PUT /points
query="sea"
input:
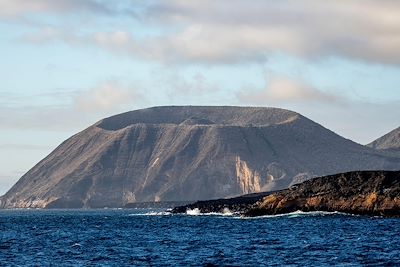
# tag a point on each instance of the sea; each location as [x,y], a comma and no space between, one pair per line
[155,237]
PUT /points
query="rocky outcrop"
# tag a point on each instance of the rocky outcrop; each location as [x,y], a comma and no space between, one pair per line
[364,193]
[248,180]
[186,154]
[238,205]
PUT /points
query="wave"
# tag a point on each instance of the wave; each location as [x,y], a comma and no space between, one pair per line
[194,212]
[189,212]
[151,213]
[228,213]
[300,213]
[197,212]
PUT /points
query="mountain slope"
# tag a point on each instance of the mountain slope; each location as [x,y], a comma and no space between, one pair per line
[390,141]
[188,153]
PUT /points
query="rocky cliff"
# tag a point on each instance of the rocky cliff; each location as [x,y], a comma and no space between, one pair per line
[364,193]
[188,153]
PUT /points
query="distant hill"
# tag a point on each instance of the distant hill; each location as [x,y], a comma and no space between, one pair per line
[390,141]
[185,153]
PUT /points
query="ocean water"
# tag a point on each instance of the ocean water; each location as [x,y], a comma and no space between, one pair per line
[155,238]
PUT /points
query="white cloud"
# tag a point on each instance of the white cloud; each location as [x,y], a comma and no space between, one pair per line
[229,31]
[280,90]
[110,96]
[238,30]
[46,118]
[44,35]
[15,8]
[359,120]
[71,111]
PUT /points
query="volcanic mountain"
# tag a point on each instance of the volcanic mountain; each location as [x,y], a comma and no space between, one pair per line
[185,153]
[388,142]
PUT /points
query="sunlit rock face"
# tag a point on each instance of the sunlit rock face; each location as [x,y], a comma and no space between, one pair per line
[364,192]
[188,153]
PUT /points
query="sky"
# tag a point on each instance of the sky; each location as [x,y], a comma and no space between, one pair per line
[66,64]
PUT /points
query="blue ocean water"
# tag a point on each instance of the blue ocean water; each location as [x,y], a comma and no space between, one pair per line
[153,238]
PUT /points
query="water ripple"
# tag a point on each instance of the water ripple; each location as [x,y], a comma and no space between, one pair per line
[156,238]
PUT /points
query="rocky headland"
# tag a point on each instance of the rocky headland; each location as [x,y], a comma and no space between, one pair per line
[375,193]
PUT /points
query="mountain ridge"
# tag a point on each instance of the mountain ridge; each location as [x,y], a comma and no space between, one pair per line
[389,141]
[221,115]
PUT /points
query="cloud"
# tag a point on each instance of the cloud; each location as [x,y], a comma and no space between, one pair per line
[281,90]
[196,85]
[232,31]
[26,112]
[42,118]
[16,8]
[106,97]
[358,119]
[70,111]
[236,30]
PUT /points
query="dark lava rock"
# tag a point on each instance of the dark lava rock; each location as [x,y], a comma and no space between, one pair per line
[361,192]
[235,205]
[364,193]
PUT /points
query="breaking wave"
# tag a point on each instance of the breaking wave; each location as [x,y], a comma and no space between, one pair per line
[151,213]
[194,211]
[300,213]
[228,213]
[197,212]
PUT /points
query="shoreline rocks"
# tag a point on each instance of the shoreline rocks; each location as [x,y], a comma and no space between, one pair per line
[374,193]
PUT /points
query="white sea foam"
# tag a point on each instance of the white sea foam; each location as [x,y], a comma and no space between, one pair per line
[227,212]
[197,212]
[299,213]
[194,211]
[151,213]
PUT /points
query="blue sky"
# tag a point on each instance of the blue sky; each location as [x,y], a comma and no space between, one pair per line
[66,64]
